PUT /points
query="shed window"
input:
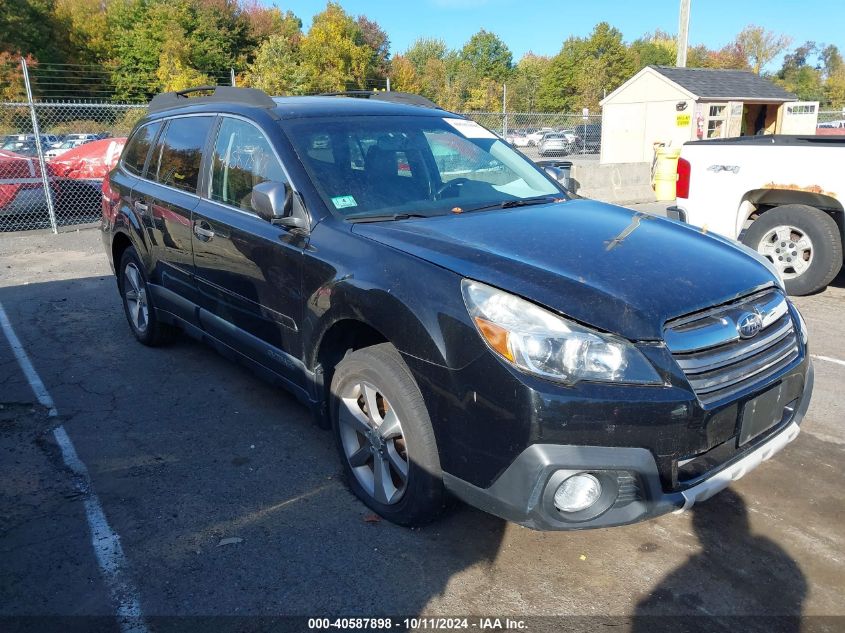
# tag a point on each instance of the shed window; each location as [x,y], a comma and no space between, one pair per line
[716,121]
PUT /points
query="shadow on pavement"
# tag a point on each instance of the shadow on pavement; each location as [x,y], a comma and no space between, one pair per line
[227,499]
[732,561]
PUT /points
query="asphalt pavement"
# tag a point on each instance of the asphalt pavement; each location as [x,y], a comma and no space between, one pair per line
[226,501]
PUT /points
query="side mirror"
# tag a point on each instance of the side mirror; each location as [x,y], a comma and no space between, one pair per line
[273,201]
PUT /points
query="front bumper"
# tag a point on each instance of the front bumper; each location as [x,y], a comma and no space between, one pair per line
[524,492]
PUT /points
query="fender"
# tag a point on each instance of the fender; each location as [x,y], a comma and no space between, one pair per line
[414,304]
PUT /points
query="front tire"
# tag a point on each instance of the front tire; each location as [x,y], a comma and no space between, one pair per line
[802,242]
[137,301]
[384,436]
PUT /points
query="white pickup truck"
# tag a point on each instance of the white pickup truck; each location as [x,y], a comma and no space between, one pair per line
[780,195]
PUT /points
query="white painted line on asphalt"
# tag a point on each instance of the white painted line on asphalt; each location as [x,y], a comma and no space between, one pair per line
[829,359]
[38,387]
[106,542]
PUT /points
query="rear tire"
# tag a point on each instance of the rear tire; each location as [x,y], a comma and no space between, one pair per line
[802,242]
[137,301]
[376,449]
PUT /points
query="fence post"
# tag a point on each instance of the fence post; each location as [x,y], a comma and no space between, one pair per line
[232,76]
[505,111]
[45,179]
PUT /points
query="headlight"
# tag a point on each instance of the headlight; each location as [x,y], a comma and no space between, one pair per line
[544,344]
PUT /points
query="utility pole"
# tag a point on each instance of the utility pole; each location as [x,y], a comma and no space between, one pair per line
[683,34]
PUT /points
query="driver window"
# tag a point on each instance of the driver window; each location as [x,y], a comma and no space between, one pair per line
[242,159]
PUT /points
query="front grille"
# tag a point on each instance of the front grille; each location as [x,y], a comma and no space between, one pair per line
[715,358]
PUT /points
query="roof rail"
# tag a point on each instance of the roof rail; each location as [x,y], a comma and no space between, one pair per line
[392,96]
[220,94]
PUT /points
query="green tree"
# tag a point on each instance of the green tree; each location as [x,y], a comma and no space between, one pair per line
[524,85]
[585,70]
[174,70]
[424,49]
[488,56]
[654,49]
[760,46]
[30,27]
[278,68]
[834,73]
[334,52]
[799,75]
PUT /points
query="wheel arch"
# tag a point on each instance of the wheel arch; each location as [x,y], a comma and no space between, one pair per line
[758,201]
[341,337]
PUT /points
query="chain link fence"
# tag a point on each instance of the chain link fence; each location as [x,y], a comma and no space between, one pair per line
[54,180]
[542,135]
[62,128]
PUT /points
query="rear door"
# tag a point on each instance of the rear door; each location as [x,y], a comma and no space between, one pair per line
[247,269]
[167,197]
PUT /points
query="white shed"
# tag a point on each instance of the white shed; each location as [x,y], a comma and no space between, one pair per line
[665,104]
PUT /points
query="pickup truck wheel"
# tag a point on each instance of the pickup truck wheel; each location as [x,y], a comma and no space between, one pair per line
[384,436]
[137,302]
[802,242]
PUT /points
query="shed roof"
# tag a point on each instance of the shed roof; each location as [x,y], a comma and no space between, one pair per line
[717,83]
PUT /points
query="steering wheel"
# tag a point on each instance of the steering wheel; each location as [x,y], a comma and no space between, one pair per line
[449,185]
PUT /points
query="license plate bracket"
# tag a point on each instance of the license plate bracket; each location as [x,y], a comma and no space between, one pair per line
[768,409]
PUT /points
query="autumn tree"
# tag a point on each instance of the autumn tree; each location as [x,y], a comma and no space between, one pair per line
[760,46]
[334,52]
[278,68]
[378,42]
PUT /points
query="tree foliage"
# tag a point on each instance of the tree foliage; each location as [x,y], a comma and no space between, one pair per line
[135,48]
[760,46]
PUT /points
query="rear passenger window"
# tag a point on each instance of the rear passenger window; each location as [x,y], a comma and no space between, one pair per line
[138,147]
[242,159]
[179,152]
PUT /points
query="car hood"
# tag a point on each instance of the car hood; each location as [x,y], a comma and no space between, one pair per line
[606,266]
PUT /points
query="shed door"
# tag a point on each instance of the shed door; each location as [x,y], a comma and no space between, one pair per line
[800,117]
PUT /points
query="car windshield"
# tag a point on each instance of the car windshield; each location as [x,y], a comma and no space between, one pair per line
[367,166]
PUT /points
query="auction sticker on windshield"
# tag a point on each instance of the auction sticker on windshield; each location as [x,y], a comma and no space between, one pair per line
[470,129]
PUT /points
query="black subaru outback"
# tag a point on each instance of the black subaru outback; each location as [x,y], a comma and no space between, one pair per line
[459,320]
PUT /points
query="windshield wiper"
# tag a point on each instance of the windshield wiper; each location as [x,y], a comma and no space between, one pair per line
[524,202]
[386,218]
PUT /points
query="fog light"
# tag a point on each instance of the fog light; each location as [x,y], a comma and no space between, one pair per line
[578,492]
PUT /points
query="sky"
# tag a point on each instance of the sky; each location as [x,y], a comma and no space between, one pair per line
[541,26]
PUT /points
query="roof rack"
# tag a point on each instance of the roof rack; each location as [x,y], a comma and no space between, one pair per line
[220,94]
[391,96]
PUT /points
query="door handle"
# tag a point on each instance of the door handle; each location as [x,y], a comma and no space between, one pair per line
[203,233]
[141,207]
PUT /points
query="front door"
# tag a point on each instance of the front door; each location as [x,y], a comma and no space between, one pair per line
[247,269]
[168,196]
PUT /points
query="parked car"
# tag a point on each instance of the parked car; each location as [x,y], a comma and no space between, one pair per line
[779,195]
[536,136]
[518,139]
[589,137]
[61,148]
[21,184]
[555,144]
[473,330]
[81,171]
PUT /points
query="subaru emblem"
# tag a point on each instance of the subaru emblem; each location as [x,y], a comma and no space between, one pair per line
[749,325]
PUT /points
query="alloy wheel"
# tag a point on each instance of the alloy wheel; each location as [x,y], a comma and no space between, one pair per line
[789,249]
[373,442]
[135,294]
